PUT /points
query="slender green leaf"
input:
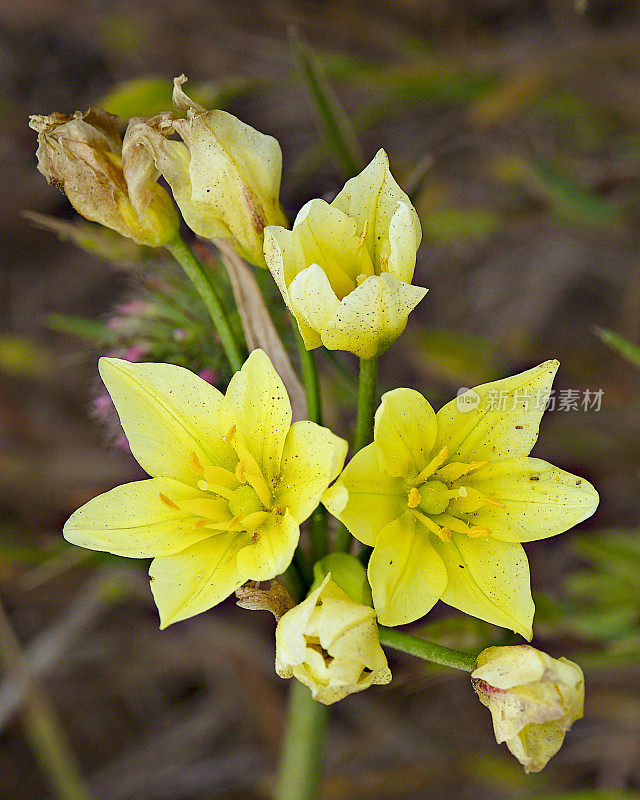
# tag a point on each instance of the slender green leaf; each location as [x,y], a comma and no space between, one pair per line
[338,130]
[626,348]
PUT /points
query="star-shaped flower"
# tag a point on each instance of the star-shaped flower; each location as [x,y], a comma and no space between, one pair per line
[446,499]
[232,481]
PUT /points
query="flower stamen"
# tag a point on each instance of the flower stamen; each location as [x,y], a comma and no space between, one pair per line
[167,502]
[363,236]
[444,534]
[194,464]
[433,465]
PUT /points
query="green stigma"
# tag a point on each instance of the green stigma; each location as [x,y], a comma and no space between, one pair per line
[244,501]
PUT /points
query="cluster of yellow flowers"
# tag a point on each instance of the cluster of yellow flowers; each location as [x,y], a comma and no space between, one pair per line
[444,499]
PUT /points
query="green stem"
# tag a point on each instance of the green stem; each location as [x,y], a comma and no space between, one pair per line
[367,388]
[302,753]
[310,378]
[302,565]
[427,650]
[205,288]
[41,723]
[311,381]
[367,395]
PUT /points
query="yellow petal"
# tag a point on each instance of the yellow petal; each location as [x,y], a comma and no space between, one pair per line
[539,499]
[372,198]
[235,176]
[404,431]
[488,579]
[172,159]
[496,420]
[270,549]
[372,316]
[312,298]
[132,520]
[168,413]
[285,259]
[312,458]
[197,578]
[406,574]
[328,237]
[405,234]
[365,497]
[262,411]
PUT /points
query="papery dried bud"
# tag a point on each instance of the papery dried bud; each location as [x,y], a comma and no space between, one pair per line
[84,155]
[533,698]
[331,644]
[276,599]
[225,175]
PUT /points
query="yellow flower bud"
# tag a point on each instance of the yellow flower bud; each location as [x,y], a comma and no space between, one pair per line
[331,644]
[224,175]
[105,179]
[533,698]
[345,270]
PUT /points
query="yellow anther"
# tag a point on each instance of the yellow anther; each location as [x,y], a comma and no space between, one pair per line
[478,532]
[457,469]
[384,262]
[493,502]
[194,464]
[230,433]
[442,533]
[201,523]
[363,236]
[361,278]
[240,471]
[445,534]
[168,503]
[414,498]
[433,465]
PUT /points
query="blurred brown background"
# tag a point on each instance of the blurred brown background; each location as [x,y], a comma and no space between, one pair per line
[517,126]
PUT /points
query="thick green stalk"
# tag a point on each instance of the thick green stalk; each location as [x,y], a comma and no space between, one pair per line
[367,389]
[41,724]
[205,288]
[310,378]
[302,754]
[429,651]
[367,395]
[311,381]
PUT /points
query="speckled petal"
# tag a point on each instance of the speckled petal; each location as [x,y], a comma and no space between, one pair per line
[539,499]
[496,420]
[198,578]
[406,574]
[372,317]
[133,521]
[312,458]
[365,497]
[270,550]
[488,579]
[404,431]
[168,413]
[262,411]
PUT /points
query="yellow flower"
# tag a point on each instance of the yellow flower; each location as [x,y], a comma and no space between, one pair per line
[232,480]
[533,698]
[345,269]
[224,174]
[331,644]
[105,179]
[445,500]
